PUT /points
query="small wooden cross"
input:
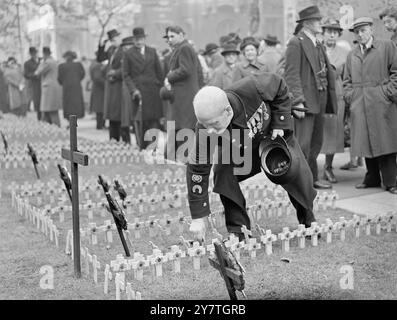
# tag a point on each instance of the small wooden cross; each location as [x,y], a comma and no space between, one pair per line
[176,254]
[341,226]
[94,230]
[389,222]
[328,228]
[247,233]
[378,224]
[235,245]
[157,260]
[120,285]
[356,223]
[268,240]
[315,231]
[252,247]
[334,199]
[76,158]
[367,224]
[108,276]
[120,265]
[109,231]
[95,267]
[301,234]
[138,264]
[196,252]
[286,236]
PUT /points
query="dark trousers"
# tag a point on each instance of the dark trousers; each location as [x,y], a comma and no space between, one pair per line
[100,122]
[380,169]
[140,128]
[300,191]
[116,132]
[310,134]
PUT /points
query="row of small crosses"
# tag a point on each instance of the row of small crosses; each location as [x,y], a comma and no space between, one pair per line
[139,263]
[38,218]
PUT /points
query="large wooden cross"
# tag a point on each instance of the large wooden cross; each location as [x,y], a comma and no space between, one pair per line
[76,158]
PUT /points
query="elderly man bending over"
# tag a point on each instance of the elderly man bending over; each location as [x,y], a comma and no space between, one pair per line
[234,123]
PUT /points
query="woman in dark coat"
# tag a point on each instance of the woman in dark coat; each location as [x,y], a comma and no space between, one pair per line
[97,73]
[70,75]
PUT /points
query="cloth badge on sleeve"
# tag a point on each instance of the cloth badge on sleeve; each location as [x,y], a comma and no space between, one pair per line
[197,178]
[197,190]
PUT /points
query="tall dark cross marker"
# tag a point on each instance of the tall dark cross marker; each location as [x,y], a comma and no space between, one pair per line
[76,158]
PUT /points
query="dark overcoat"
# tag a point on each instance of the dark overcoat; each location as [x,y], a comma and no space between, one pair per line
[114,84]
[144,73]
[70,75]
[184,77]
[97,74]
[370,84]
[300,74]
[261,103]
[4,102]
[33,82]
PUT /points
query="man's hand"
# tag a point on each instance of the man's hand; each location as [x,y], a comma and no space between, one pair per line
[277,133]
[299,114]
[198,228]
[167,84]
[136,95]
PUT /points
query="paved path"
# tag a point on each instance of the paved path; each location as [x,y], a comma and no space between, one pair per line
[369,202]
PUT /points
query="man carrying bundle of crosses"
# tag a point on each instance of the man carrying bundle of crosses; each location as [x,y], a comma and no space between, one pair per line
[249,128]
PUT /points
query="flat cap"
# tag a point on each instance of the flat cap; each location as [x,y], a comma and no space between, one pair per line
[359,22]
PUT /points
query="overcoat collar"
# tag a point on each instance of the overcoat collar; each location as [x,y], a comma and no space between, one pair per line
[308,48]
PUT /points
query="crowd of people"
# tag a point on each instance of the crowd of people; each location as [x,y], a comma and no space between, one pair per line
[341,96]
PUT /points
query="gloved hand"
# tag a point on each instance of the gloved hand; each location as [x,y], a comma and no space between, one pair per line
[136,96]
[198,228]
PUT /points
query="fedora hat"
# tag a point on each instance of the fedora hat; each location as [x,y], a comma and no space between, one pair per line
[271,40]
[309,13]
[363,21]
[249,41]
[209,48]
[332,24]
[47,50]
[167,95]
[70,54]
[139,33]
[229,48]
[278,160]
[32,50]
[113,33]
[127,41]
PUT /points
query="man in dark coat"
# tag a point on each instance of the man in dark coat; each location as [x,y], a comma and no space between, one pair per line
[4,102]
[33,82]
[143,75]
[70,75]
[184,80]
[311,80]
[252,109]
[97,73]
[370,83]
[113,85]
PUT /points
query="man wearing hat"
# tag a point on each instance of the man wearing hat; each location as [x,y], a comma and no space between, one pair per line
[270,55]
[370,84]
[389,18]
[114,83]
[243,124]
[143,76]
[223,75]
[33,82]
[311,80]
[51,92]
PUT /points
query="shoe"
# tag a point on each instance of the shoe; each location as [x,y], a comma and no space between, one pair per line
[392,190]
[366,186]
[329,175]
[322,185]
[348,166]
